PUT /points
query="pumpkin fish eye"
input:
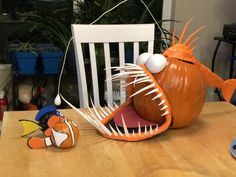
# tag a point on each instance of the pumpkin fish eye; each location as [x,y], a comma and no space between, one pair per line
[156,63]
[143,58]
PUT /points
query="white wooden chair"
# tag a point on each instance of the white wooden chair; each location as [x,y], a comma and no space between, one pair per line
[107,34]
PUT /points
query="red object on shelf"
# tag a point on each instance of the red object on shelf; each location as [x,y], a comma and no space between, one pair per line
[3,104]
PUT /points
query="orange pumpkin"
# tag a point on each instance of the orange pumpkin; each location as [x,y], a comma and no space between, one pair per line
[185,88]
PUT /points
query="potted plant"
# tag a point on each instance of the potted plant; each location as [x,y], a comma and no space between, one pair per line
[25,58]
[57,33]
[50,57]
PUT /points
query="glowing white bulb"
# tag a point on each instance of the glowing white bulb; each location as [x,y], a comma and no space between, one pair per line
[57,100]
[156,63]
[142,59]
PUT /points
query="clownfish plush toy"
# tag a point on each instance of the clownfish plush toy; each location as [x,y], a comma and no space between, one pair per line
[58,130]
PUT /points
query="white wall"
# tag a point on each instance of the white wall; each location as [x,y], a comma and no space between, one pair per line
[214,14]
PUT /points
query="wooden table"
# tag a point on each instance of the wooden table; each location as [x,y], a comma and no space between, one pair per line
[201,150]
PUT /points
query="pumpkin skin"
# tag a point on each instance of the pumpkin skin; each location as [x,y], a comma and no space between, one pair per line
[185,88]
[145,107]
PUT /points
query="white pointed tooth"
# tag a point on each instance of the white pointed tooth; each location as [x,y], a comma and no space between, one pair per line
[111,108]
[133,72]
[164,107]
[139,129]
[118,130]
[119,75]
[133,133]
[147,80]
[165,113]
[151,132]
[145,130]
[115,104]
[91,112]
[139,75]
[143,89]
[96,118]
[134,65]
[96,112]
[104,112]
[118,78]
[108,110]
[113,131]
[95,124]
[158,96]
[156,129]
[103,126]
[101,113]
[125,127]
[128,68]
[89,119]
[162,102]
[152,91]
[137,80]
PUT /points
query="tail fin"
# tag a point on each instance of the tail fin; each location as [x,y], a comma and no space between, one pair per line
[29,127]
[228,88]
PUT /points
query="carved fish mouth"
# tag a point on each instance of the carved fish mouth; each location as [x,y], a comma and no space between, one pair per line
[124,122]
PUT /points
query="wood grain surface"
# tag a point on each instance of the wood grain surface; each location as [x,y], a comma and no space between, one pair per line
[200,150]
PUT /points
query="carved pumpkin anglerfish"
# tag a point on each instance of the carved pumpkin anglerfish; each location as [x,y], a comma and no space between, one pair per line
[164,91]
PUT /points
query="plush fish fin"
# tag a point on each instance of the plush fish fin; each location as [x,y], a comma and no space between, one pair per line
[36,142]
[228,88]
[29,127]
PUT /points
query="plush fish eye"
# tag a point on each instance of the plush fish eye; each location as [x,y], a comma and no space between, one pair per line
[142,58]
[156,63]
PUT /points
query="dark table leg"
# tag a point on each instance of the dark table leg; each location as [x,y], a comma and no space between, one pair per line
[232,62]
[213,68]
[214,56]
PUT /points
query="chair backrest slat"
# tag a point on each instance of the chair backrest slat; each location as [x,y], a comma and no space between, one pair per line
[114,33]
[94,74]
[83,92]
[107,34]
[136,51]
[108,73]
[122,63]
[150,46]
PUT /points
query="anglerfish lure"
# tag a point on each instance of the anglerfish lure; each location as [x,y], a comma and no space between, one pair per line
[164,90]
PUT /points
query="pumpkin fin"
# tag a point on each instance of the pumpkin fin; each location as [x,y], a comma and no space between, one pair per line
[211,78]
[228,88]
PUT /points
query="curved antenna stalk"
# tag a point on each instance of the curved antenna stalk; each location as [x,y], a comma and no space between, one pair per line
[184,30]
